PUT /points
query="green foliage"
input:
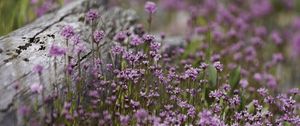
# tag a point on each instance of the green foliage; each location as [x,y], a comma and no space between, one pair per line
[13,14]
[234,78]
[16,13]
[191,48]
[212,76]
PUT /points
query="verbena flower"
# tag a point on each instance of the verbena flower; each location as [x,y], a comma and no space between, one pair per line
[80,48]
[218,66]
[24,110]
[36,88]
[98,36]
[124,120]
[150,7]
[76,39]
[38,69]
[207,118]
[135,41]
[141,115]
[117,49]
[120,36]
[91,15]
[56,51]
[67,32]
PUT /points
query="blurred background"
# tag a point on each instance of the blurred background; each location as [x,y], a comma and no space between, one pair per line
[283,15]
[16,13]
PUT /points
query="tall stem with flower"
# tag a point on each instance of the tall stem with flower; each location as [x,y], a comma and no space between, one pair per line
[150,8]
[92,16]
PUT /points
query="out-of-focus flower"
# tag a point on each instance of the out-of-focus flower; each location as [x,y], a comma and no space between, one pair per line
[44,8]
[36,88]
[208,119]
[38,69]
[124,120]
[150,7]
[91,15]
[120,36]
[141,115]
[117,49]
[135,41]
[276,38]
[24,110]
[76,39]
[57,51]
[98,36]
[67,32]
[244,83]
[296,45]
[34,1]
[218,66]
[148,38]
[79,48]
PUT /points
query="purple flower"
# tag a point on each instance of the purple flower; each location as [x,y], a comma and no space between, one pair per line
[44,8]
[262,91]
[91,15]
[94,93]
[201,30]
[260,7]
[36,88]
[24,110]
[271,81]
[135,41]
[208,119]
[277,57]
[276,37]
[260,31]
[79,48]
[56,51]
[258,77]
[234,101]
[67,32]
[150,7]
[215,58]
[38,69]
[76,39]
[148,38]
[296,45]
[34,1]
[244,83]
[203,66]
[70,68]
[141,115]
[191,73]
[218,66]
[98,36]
[296,22]
[294,91]
[155,46]
[117,49]
[120,36]
[217,94]
[124,120]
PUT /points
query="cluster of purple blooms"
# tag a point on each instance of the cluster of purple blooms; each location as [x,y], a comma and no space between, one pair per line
[228,79]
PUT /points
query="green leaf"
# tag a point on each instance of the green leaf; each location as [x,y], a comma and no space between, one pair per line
[242,103]
[234,78]
[251,107]
[201,21]
[212,76]
[191,48]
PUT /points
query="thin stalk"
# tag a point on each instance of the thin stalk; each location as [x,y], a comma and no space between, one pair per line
[149,22]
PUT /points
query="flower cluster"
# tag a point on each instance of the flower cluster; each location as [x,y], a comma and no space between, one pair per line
[227,72]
